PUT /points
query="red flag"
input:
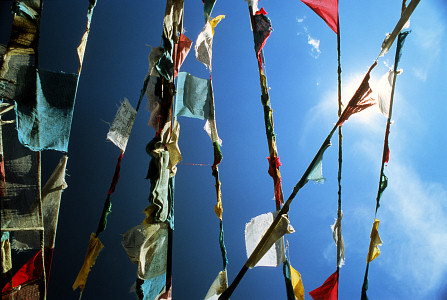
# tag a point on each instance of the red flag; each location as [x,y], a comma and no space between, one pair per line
[360,100]
[329,289]
[31,270]
[181,50]
[327,10]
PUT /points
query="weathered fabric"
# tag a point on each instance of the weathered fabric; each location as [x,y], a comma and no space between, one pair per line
[294,284]
[30,273]
[18,78]
[219,285]
[94,247]
[24,38]
[273,171]
[121,127]
[375,242]
[151,289]
[51,198]
[327,10]
[386,45]
[20,206]
[263,27]
[384,92]
[169,137]
[6,254]
[44,122]
[193,96]
[208,6]
[204,42]
[317,168]
[147,246]
[172,18]
[336,232]
[360,100]
[268,256]
[181,50]
[153,95]
[165,65]
[327,291]
[210,124]
[83,44]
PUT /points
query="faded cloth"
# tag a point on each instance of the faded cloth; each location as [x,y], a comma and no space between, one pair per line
[20,206]
[147,246]
[51,198]
[268,256]
[44,122]
[121,127]
[193,96]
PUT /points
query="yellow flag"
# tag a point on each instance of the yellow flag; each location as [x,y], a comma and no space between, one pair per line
[297,284]
[374,250]
[93,249]
[215,21]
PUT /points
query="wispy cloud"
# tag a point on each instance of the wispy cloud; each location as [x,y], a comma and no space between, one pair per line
[314,43]
[429,39]
[413,208]
[315,51]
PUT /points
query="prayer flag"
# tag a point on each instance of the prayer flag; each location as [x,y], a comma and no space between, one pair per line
[83,44]
[384,92]
[329,289]
[263,29]
[336,232]
[204,42]
[6,253]
[375,242]
[294,284]
[208,6]
[94,247]
[147,246]
[267,256]
[220,284]
[181,50]
[51,198]
[360,100]
[45,121]
[121,127]
[20,206]
[151,289]
[193,96]
[327,10]
[386,45]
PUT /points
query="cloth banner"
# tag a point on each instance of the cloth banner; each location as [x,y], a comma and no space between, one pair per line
[360,100]
[294,284]
[327,10]
[181,50]
[20,206]
[375,242]
[336,230]
[268,256]
[51,198]
[121,127]
[94,247]
[44,122]
[220,284]
[263,30]
[147,246]
[193,96]
[204,42]
[329,289]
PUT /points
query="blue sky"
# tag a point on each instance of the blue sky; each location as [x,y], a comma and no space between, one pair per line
[301,65]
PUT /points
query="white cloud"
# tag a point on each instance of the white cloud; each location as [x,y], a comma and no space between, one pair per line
[301,20]
[315,50]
